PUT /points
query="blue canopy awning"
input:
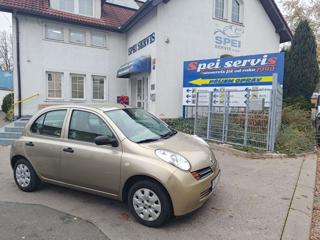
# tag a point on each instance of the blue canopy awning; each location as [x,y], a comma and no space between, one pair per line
[139,65]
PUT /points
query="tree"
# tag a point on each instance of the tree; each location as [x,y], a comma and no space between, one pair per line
[6,61]
[302,69]
[299,10]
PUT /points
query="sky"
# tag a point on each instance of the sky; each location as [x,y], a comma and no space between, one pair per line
[5,21]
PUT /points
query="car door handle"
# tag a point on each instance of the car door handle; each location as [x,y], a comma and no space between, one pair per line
[29,144]
[68,150]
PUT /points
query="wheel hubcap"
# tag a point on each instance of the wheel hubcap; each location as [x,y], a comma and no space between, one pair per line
[23,175]
[146,204]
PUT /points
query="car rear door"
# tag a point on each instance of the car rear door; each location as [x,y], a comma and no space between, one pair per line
[43,143]
[85,164]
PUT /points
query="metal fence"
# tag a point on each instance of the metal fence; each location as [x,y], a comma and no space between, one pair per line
[249,117]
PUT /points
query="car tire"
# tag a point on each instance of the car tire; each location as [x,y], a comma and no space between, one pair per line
[25,176]
[149,203]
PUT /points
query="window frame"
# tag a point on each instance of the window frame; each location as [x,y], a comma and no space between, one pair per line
[79,31]
[92,33]
[239,5]
[224,13]
[52,26]
[76,8]
[68,124]
[47,85]
[104,87]
[62,134]
[84,86]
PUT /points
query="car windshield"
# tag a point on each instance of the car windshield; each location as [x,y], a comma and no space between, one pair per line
[140,126]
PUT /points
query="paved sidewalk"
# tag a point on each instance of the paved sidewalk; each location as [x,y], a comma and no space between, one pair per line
[251,202]
[3,120]
[34,222]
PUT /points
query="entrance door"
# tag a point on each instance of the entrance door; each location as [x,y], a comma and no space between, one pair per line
[142,93]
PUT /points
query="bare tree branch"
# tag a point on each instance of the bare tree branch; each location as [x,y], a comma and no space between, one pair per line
[6,60]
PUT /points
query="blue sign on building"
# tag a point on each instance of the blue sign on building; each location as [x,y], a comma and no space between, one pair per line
[6,80]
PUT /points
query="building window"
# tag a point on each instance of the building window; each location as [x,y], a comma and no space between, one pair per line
[54,80]
[54,33]
[98,87]
[98,39]
[77,36]
[86,7]
[235,11]
[219,8]
[81,7]
[77,82]
[66,5]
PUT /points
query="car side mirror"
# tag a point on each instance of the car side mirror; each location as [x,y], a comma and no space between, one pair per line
[104,140]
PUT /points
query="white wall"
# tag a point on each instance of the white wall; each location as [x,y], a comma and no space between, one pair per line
[190,28]
[184,31]
[39,55]
[139,32]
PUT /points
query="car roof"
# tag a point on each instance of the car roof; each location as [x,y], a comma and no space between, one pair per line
[101,106]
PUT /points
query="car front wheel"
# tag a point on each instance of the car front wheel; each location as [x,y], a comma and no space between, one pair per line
[25,176]
[149,203]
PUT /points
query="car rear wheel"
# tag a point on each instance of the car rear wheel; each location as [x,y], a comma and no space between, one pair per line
[149,203]
[25,176]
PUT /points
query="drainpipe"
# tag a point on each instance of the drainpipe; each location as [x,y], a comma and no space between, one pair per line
[18,63]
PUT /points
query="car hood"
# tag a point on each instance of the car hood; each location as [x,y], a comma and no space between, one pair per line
[197,152]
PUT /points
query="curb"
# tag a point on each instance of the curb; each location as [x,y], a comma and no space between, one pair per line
[299,218]
[252,155]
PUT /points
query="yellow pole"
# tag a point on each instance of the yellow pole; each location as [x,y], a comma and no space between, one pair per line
[26,99]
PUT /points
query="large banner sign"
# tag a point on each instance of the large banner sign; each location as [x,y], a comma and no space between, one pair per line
[218,75]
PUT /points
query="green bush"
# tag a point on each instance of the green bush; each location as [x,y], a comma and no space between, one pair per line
[181,125]
[9,115]
[298,103]
[7,102]
[296,134]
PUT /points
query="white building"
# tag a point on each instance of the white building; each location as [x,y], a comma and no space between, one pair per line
[85,51]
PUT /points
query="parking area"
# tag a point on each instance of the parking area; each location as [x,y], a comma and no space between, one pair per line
[251,202]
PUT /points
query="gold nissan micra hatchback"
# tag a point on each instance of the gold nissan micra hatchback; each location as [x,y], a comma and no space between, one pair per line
[120,152]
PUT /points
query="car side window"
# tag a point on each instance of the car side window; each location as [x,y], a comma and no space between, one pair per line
[49,124]
[86,126]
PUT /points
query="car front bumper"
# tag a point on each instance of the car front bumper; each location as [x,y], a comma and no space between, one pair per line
[188,194]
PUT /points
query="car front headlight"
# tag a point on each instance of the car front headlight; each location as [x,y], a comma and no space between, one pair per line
[173,158]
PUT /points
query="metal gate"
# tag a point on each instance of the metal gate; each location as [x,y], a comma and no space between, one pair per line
[249,117]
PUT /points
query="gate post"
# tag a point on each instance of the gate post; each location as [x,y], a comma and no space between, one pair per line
[196,114]
[209,115]
[245,137]
[226,118]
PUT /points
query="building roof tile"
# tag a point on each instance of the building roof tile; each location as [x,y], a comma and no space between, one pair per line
[112,16]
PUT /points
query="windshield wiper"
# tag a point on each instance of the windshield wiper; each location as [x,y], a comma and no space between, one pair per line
[169,134]
[149,140]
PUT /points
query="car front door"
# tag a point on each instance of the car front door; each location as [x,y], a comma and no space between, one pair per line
[85,164]
[43,143]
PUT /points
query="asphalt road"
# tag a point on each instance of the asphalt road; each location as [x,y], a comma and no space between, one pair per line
[251,202]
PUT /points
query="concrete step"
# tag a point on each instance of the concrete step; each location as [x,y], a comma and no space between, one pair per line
[6,141]
[13,129]
[14,135]
[20,123]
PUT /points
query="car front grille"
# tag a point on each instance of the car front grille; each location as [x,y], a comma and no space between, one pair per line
[205,172]
[202,173]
